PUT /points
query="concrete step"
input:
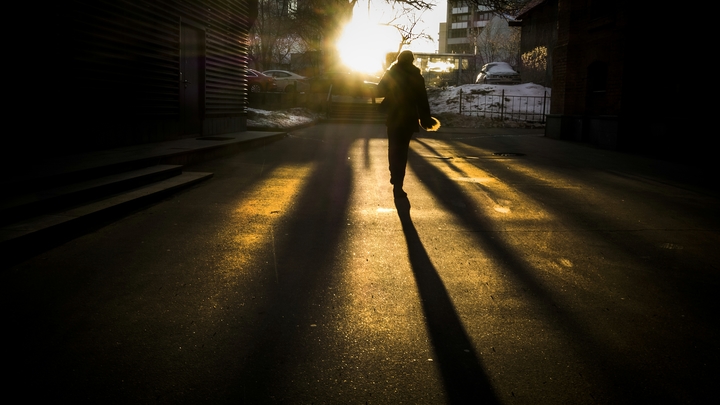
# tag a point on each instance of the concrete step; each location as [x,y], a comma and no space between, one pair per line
[43,200]
[355,111]
[20,177]
[29,236]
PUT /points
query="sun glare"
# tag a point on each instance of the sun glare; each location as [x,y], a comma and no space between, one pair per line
[364,43]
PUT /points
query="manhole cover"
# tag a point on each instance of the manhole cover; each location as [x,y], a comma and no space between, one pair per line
[214,138]
[508,154]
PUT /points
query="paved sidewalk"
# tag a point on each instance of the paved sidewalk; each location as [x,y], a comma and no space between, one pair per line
[562,273]
[181,151]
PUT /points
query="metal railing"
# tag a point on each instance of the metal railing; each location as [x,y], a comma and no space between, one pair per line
[505,108]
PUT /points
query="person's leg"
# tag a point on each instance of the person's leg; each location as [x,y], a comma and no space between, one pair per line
[392,153]
[398,143]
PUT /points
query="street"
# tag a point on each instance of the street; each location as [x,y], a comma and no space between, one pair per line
[520,270]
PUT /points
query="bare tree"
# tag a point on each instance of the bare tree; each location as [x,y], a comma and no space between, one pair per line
[283,27]
[268,32]
[286,26]
[498,42]
[405,21]
[512,47]
[323,21]
[320,22]
[416,4]
[286,46]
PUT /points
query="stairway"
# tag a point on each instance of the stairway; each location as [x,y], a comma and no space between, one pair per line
[362,110]
[47,201]
[49,210]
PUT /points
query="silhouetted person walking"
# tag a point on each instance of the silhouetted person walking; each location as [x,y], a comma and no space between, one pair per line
[407,107]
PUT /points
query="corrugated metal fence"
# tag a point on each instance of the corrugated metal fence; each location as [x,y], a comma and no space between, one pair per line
[132,49]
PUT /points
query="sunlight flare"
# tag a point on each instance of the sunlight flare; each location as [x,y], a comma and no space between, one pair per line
[364,43]
[259,209]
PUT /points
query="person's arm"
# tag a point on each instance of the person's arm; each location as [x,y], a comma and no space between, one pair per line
[423,105]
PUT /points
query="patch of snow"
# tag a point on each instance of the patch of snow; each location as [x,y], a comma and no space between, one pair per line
[443,101]
[283,119]
[484,96]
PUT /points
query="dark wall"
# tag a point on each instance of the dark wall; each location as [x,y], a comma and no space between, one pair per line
[665,100]
[590,42]
[106,73]
[539,29]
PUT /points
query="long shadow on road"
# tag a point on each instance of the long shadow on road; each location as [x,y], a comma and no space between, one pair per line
[286,353]
[463,376]
[577,331]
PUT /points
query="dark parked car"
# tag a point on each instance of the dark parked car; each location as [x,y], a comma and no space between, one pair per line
[498,73]
[259,82]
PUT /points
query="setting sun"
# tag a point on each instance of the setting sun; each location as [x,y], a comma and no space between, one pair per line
[364,43]
[367,38]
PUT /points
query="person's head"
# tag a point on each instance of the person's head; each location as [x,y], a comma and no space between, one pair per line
[405,57]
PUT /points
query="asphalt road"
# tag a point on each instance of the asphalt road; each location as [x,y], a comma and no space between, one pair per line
[521,270]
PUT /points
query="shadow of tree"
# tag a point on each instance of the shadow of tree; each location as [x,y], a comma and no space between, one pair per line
[306,262]
[614,373]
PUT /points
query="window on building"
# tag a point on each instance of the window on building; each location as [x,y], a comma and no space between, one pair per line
[461,33]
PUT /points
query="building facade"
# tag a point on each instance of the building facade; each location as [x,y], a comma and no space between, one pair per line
[464,22]
[538,22]
[107,73]
[608,85]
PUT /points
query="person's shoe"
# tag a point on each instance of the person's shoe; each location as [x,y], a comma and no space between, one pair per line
[399,193]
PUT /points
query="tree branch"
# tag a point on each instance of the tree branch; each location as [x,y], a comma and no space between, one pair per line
[416,4]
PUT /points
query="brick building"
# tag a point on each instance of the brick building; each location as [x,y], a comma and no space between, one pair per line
[609,86]
[588,72]
[538,22]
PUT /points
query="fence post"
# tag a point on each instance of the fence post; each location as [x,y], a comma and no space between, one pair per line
[459,77]
[543,111]
[502,107]
[460,103]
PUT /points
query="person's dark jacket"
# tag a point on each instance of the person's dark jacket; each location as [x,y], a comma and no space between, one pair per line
[406,99]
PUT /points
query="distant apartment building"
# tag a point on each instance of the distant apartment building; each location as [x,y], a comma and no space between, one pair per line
[442,40]
[464,23]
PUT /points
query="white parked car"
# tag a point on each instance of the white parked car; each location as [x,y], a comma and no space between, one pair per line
[498,73]
[288,81]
